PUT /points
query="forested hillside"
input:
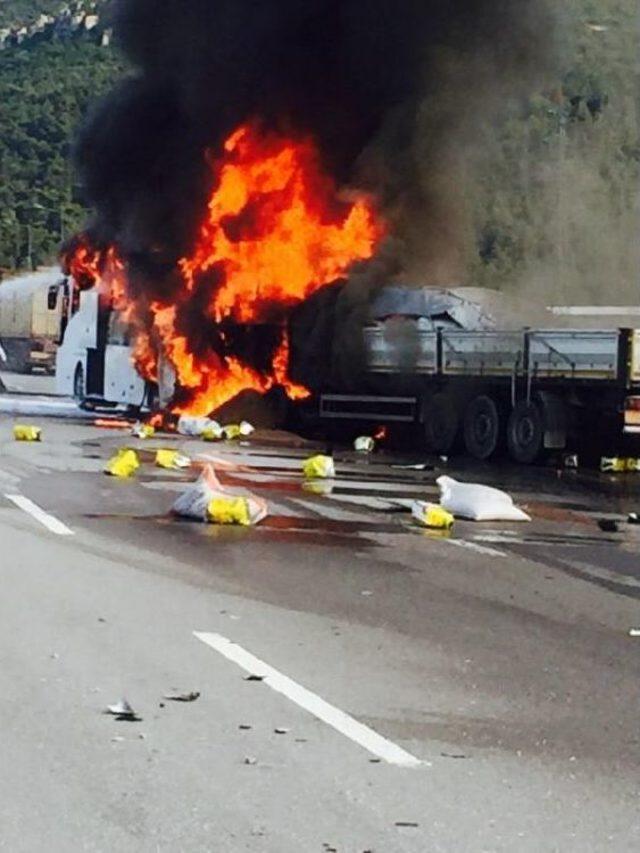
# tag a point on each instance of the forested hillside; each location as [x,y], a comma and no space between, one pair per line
[553,196]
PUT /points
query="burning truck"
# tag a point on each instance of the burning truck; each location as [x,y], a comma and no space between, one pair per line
[260,180]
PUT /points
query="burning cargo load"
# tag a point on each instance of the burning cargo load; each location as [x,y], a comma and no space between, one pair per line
[262,154]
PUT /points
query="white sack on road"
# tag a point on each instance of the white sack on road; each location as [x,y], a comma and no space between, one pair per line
[478,503]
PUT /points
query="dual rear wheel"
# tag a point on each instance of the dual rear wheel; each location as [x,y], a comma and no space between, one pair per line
[485,428]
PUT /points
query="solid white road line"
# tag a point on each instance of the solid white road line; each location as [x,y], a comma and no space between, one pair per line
[329,714]
[40,515]
[479,549]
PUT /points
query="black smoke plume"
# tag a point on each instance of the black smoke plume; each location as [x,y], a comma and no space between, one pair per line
[386,87]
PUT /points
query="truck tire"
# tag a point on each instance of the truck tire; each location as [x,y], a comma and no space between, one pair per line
[440,423]
[525,433]
[482,428]
[79,389]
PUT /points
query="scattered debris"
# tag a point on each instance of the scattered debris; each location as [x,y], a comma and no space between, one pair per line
[117,739]
[124,464]
[432,516]
[100,619]
[452,755]
[375,761]
[244,727]
[54,656]
[140,430]
[634,632]
[250,760]
[619,464]
[478,503]
[364,444]
[182,697]
[172,460]
[281,731]
[301,740]
[22,432]
[409,823]
[123,711]
[366,592]
[633,518]
[254,677]
[319,467]
[422,466]
[608,525]
[571,460]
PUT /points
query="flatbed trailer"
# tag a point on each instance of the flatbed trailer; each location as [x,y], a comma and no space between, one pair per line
[530,389]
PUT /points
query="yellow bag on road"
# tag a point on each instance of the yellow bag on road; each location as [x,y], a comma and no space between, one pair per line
[432,516]
[172,459]
[143,431]
[124,464]
[224,509]
[319,467]
[21,432]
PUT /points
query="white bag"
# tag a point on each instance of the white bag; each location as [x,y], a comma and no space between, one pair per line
[478,503]
[188,425]
[194,502]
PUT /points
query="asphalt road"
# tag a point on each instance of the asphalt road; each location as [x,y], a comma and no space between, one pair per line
[471,693]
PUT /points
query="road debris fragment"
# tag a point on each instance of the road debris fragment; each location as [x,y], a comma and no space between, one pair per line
[242,430]
[124,464]
[254,678]
[172,460]
[281,731]
[422,466]
[608,525]
[571,460]
[409,823]
[364,444]
[244,727]
[431,515]
[319,467]
[634,632]
[182,697]
[23,432]
[123,711]
[633,518]
[478,503]
[250,760]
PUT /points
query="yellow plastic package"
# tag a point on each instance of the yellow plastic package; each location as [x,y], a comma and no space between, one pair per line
[124,464]
[232,432]
[143,430]
[172,459]
[213,432]
[22,432]
[229,509]
[432,516]
[319,467]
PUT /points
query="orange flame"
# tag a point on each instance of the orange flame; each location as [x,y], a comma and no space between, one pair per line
[275,231]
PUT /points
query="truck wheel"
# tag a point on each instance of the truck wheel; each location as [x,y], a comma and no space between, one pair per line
[440,423]
[481,428]
[79,392]
[525,433]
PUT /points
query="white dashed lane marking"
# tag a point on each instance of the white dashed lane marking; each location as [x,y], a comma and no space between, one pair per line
[370,740]
[32,509]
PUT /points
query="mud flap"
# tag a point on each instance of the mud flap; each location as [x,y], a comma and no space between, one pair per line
[554,420]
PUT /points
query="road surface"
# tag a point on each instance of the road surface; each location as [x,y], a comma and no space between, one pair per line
[419,692]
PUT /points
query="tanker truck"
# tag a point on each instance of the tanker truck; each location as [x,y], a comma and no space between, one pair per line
[32,315]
